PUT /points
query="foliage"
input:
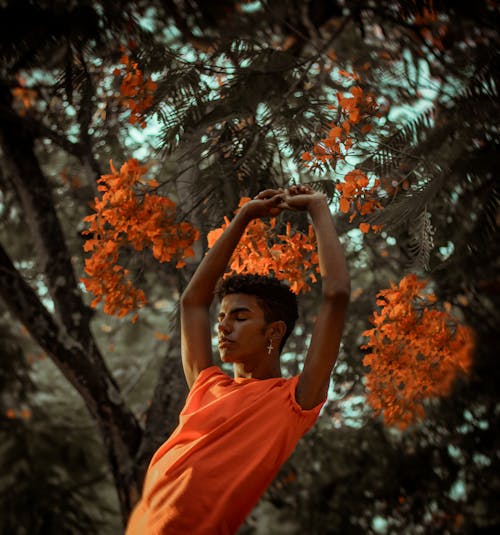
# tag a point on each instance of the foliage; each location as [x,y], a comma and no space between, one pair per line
[415,352]
[355,194]
[129,214]
[137,92]
[354,112]
[291,256]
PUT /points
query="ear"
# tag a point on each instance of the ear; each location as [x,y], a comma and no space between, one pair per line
[276,331]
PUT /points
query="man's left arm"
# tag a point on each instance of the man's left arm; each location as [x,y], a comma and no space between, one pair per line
[314,380]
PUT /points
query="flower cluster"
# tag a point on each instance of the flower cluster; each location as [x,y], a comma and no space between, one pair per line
[137,92]
[355,196]
[355,109]
[291,256]
[129,215]
[416,352]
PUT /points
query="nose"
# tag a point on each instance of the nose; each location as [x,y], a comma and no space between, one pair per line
[223,326]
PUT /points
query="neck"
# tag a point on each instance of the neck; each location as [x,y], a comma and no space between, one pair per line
[266,369]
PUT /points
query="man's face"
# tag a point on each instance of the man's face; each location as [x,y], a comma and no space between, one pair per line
[241,329]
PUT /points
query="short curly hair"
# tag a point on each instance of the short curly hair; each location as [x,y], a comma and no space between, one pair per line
[276,299]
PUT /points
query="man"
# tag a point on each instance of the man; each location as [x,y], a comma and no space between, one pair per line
[235,433]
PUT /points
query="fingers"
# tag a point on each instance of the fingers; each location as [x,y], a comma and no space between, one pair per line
[300,189]
[268,193]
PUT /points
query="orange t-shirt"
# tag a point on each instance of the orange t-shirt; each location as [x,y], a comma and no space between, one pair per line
[232,438]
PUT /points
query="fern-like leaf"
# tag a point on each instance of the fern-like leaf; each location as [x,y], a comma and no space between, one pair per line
[422,239]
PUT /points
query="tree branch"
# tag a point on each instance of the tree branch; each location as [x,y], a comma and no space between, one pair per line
[118,426]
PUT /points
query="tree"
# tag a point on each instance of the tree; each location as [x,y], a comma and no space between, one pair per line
[391,109]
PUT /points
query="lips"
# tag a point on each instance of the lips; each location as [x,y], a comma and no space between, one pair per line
[224,342]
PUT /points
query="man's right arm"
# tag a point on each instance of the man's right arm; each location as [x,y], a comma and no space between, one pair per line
[196,347]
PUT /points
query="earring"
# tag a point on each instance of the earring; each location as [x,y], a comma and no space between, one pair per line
[270,347]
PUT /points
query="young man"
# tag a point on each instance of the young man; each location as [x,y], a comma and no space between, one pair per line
[235,433]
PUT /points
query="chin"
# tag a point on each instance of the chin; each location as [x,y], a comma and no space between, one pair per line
[225,357]
[228,358]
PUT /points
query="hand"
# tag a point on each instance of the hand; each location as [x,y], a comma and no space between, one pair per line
[302,198]
[267,203]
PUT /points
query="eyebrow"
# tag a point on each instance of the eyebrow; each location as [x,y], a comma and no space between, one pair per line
[234,311]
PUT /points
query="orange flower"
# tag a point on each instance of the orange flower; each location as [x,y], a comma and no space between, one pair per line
[356,109]
[356,196]
[26,414]
[128,215]
[24,98]
[291,256]
[137,92]
[416,352]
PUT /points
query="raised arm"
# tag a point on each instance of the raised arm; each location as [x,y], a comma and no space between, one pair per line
[314,380]
[196,299]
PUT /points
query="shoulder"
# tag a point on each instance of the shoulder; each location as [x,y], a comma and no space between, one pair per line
[209,374]
[280,395]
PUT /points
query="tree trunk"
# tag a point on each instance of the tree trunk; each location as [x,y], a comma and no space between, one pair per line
[66,337]
[168,399]
[118,426]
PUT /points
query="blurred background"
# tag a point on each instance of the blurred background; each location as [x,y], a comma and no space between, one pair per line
[219,100]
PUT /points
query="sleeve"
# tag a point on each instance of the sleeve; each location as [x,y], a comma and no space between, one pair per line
[306,417]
